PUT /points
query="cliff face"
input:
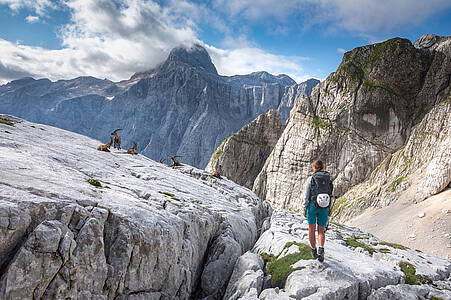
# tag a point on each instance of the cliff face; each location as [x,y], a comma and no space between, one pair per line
[356,117]
[241,156]
[302,90]
[77,223]
[417,171]
[181,107]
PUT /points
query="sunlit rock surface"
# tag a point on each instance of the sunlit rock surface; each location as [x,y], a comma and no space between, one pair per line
[357,265]
[149,232]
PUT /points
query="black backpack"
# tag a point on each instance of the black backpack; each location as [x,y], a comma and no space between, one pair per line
[321,184]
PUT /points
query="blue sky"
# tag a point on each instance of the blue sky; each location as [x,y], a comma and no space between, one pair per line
[63,39]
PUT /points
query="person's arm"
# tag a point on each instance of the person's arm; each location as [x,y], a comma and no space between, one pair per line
[307,193]
[332,198]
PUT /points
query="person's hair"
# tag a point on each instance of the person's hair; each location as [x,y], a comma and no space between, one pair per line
[318,165]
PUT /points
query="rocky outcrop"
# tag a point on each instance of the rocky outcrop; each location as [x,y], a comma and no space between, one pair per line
[241,156]
[417,171]
[356,117]
[357,265]
[77,223]
[302,90]
[181,107]
[405,291]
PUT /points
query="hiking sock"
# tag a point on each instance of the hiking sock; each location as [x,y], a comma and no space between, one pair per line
[314,253]
[321,254]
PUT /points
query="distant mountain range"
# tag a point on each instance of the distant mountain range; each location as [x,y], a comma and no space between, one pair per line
[180,107]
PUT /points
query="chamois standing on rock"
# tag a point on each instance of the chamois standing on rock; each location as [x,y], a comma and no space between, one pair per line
[105,147]
[117,139]
[132,150]
[175,161]
[216,174]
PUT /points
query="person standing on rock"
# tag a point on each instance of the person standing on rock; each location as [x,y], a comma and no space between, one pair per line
[317,206]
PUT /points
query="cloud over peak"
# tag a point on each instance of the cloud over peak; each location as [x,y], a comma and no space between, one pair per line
[114,39]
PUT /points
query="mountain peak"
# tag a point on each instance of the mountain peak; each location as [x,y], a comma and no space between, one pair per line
[194,55]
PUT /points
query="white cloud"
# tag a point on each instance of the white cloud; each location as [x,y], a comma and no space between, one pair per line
[113,40]
[105,39]
[359,16]
[39,6]
[341,50]
[32,19]
[246,60]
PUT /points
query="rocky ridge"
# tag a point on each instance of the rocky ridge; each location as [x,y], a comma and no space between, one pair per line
[180,107]
[241,156]
[357,266]
[357,116]
[77,223]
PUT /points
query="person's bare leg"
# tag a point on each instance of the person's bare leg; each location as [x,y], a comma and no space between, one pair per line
[321,236]
[312,235]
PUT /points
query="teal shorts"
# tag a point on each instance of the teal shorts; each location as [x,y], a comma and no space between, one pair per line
[317,215]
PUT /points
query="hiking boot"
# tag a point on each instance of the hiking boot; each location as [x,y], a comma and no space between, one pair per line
[314,253]
[321,254]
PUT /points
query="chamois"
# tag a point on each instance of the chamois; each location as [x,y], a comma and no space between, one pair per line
[216,174]
[132,150]
[175,161]
[117,139]
[106,147]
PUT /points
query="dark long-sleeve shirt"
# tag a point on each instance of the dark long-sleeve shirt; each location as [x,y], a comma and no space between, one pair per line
[307,194]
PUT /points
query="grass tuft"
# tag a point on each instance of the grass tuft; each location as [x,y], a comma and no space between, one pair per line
[94,182]
[354,243]
[393,245]
[281,268]
[411,277]
[267,257]
[384,250]
[395,183]
[6,122]
[167,194]
[320,123]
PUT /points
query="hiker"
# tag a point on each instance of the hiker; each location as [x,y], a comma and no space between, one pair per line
[318,206]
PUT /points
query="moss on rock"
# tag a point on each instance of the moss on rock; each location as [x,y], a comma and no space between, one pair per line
[281,268]
[411,277]
[355,244]
[393,245]
[94,182]
[166,193]
[6,122]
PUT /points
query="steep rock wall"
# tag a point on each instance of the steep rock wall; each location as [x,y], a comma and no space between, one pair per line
[241,156]
[356,117]
[417,171]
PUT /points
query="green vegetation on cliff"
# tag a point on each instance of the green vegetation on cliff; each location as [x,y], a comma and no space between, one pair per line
[218,152]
